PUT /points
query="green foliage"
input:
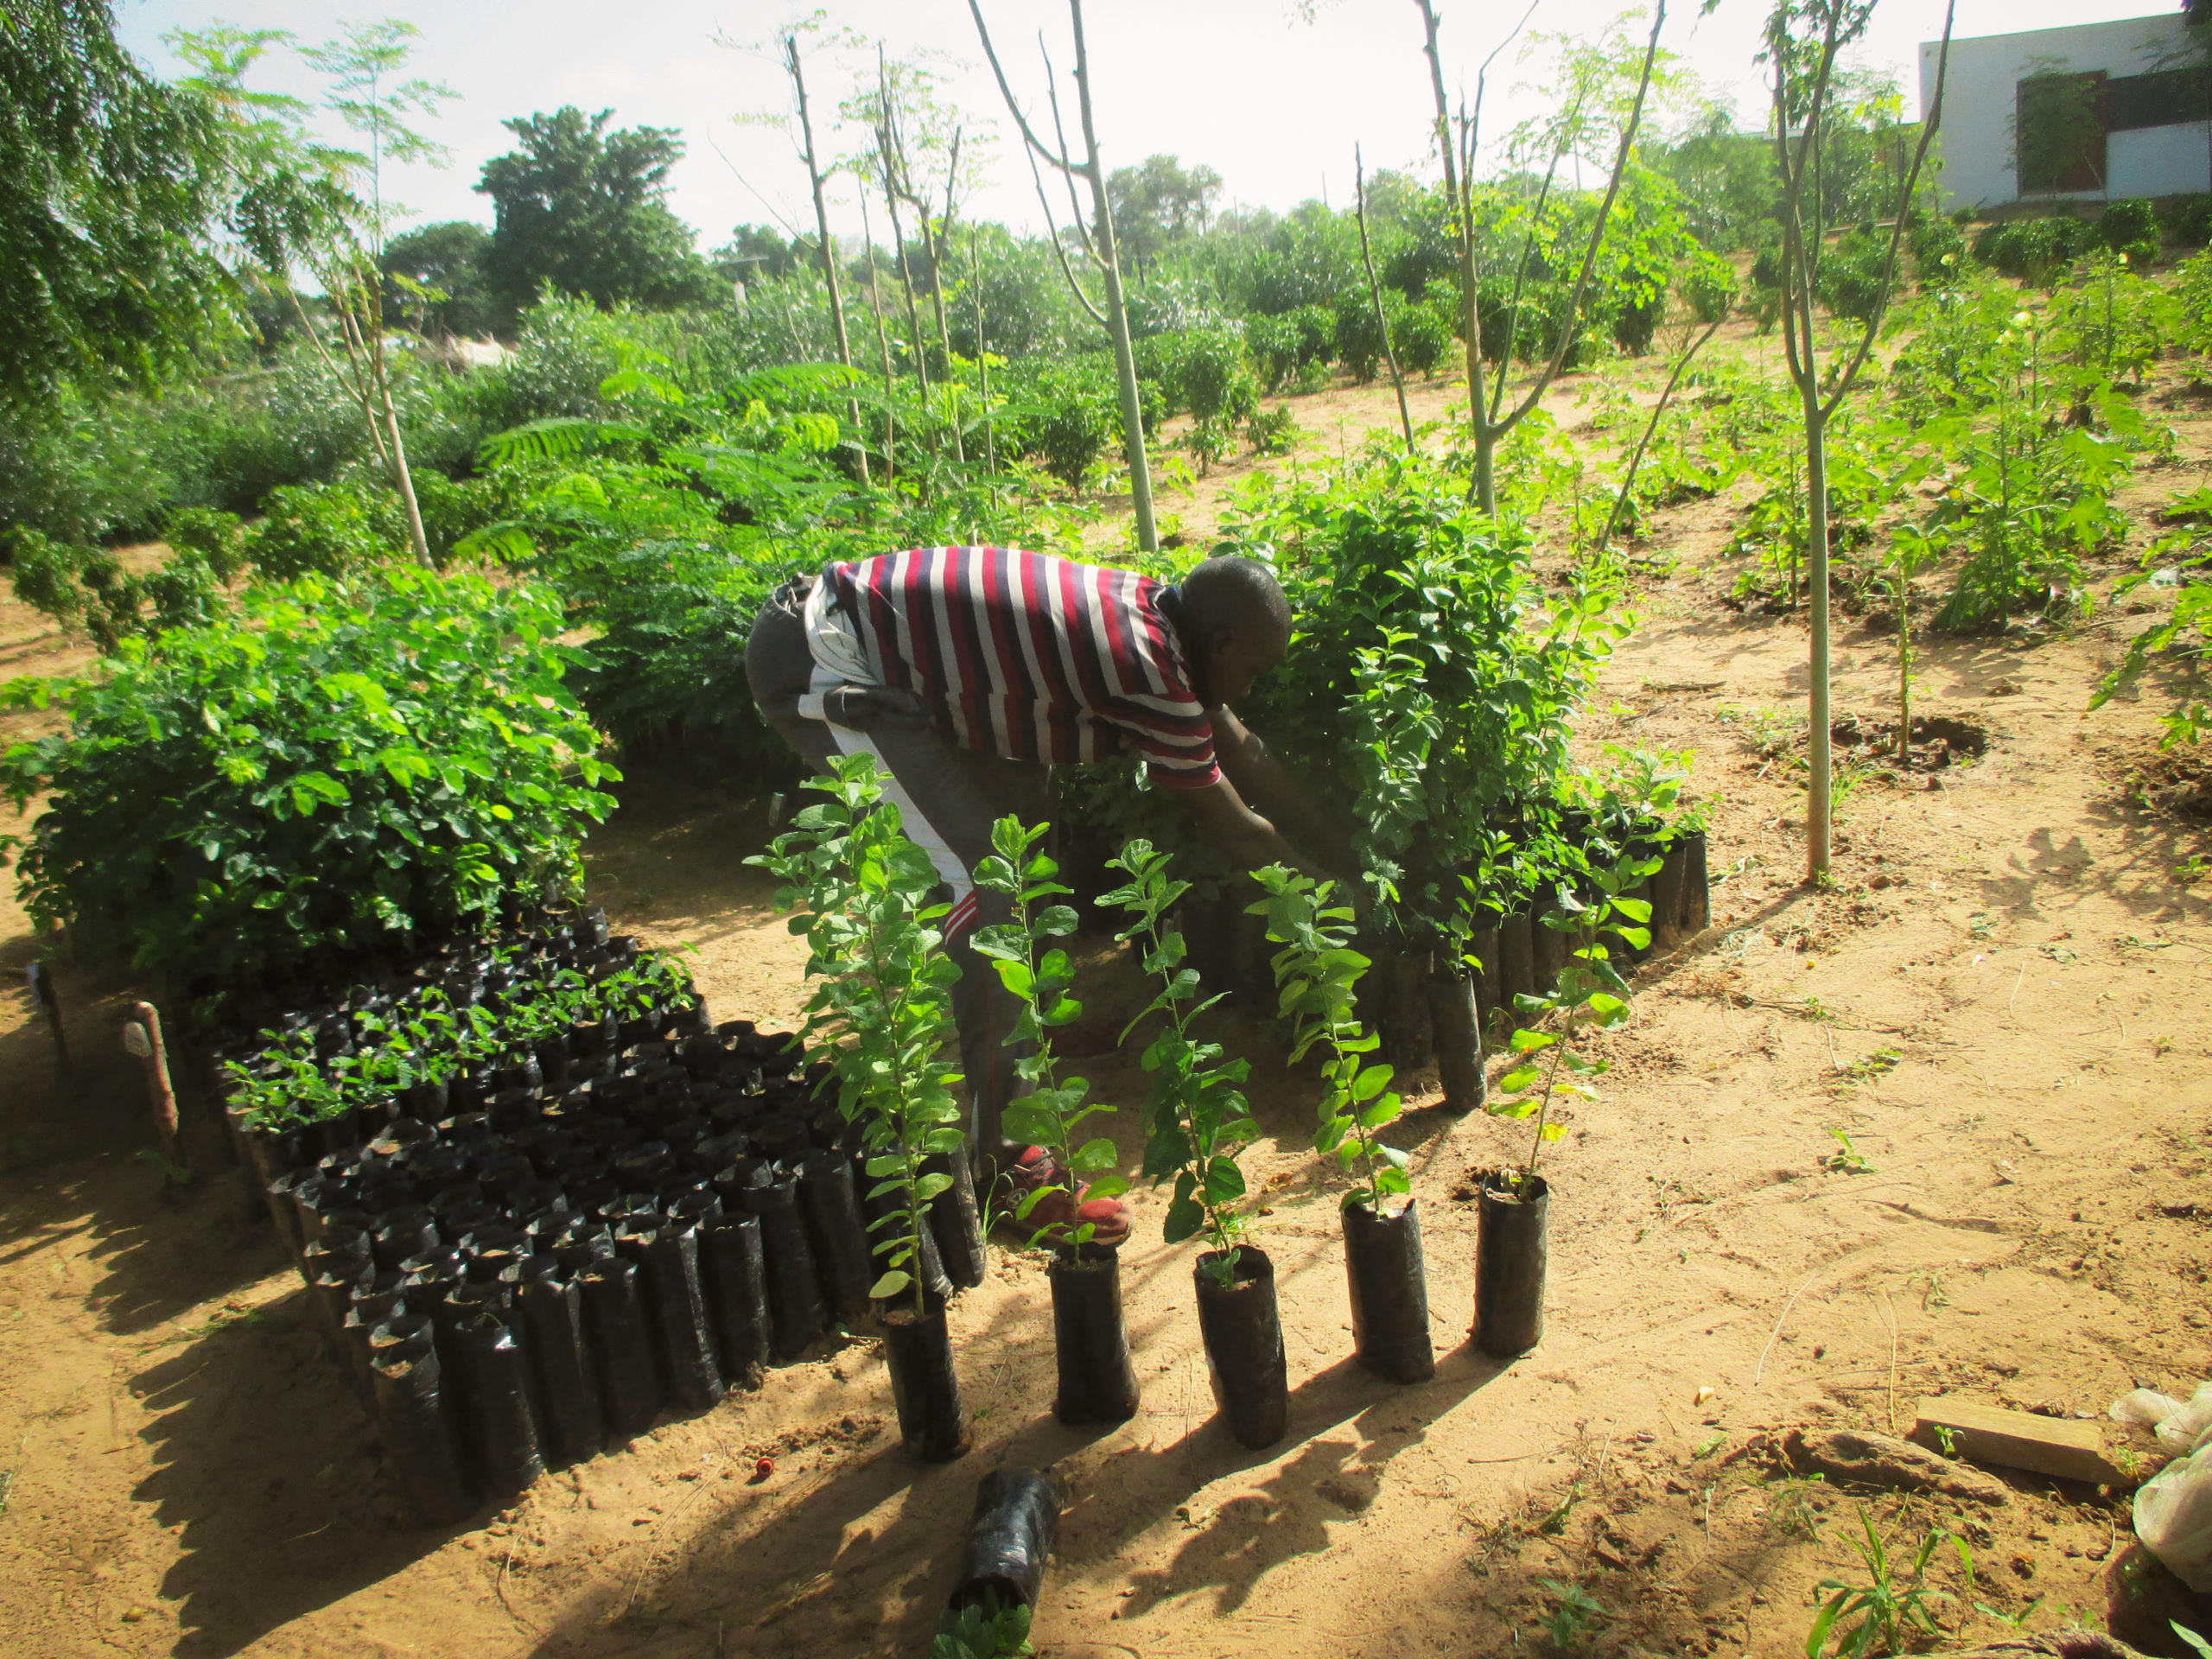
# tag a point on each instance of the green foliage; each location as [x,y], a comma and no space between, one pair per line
[430,1038]
[2185,558]
[1710,287]
[1573,1611]
[584,209]
[1037,975]
[1316,978]
[436,279]
[1590,992]
[1432,683]
[1852,273]
[986,1632]
[1198,1116]
[2131,225]
[85,586]
[1891,1611]
[1938,246]
[882,1008]
[2035,252]
[324,532]
[109,182]
[1273,431]
[332,771]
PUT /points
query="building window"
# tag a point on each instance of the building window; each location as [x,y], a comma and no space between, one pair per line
[2170,97]
[2059,132]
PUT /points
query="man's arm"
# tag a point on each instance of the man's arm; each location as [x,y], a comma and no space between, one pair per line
[1241,833]
[1259,778]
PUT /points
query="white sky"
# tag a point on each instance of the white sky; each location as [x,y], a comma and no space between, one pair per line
[1272,105]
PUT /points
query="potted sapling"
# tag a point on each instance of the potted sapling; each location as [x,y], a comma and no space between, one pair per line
[1199,1119]
[1096,1383]
[1511,1239]
[1317,976]
[880,1015]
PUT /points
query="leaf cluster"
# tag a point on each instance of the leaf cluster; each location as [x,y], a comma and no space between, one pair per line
[331,770]
[1316,978]
[881,1006]
[1198,1118]
[1037,975]
[1590,992]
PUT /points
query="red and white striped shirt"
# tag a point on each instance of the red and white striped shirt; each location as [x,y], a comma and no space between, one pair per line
[1031,657]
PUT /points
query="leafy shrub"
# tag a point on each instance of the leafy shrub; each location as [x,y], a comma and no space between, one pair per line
[1938,244]
[1273,431]
[1709,285]
[1422,334]
[2034,250]
[1852,275]
[1274,344]
[2187,220]
[218,537]
[88,588]
[317,530]
[334,772]
[2129,224]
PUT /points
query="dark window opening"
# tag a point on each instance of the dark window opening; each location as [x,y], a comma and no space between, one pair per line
[2059,132]
[2170,97]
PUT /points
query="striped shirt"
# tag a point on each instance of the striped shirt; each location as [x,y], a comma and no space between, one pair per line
[1034,657]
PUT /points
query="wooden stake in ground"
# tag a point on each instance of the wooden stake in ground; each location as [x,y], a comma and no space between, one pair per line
[143,1037]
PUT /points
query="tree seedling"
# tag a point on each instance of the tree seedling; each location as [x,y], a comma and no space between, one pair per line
[1199,1115]
[1590,993]
[1846,1160]
[1886,1612]
[987,1632]
[881,1008]
[1317,975]
[1037,975]
[1574,1611]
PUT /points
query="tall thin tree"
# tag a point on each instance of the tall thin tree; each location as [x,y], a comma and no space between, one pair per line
[1489,419]
[1374,297]
[1096,241]
[825,244]
[1803,37]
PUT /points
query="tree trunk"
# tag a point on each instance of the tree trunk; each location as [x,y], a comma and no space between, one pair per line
[821,233]
[1117,315]
[1819,798]
[1375,297]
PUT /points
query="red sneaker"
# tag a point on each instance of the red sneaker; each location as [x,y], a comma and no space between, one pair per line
[1061,1210]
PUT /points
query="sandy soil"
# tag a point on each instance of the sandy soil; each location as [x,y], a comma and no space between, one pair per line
[2002,1001]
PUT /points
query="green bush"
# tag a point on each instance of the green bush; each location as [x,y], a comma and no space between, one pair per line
[1709,285]
[1856,278]
[2034,250]
[1422,334]
[335,771]
[87,587]
[2129,225]
[321,530]
[2187,220]
[1938,244]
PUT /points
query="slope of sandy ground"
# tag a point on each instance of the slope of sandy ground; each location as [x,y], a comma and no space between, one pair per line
[2003,1002]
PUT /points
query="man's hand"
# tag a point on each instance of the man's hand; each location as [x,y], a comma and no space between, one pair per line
[1243,833]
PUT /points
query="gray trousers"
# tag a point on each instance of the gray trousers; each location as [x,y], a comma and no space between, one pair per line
[948,798]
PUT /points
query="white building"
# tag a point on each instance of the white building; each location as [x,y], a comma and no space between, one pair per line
[2097,112]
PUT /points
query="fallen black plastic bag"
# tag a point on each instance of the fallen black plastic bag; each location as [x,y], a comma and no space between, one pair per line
[1017,1516]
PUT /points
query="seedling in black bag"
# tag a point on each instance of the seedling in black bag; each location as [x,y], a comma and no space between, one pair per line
[1318,974]
[1037,975]
[1199,1118]
[881,1008]
[1590,992]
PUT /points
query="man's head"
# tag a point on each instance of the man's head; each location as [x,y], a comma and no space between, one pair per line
[1241,622]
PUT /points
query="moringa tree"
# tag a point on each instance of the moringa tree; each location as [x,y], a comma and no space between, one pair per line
[1489,417]
[1802,40]
[1097,241]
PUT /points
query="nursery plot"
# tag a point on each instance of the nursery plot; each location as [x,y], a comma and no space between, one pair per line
[1999,1003]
